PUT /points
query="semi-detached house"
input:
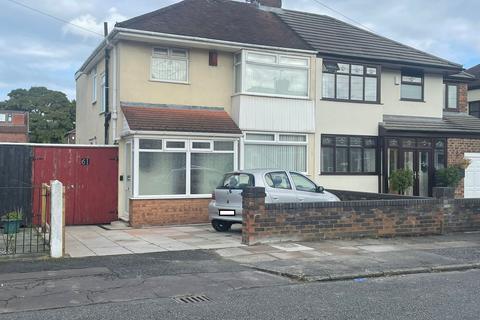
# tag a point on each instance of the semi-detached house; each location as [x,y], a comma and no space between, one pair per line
[207,86]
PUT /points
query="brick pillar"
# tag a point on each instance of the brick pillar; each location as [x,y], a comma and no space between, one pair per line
[253,204]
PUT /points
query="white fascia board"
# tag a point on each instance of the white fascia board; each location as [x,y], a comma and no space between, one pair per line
[180,134]
[221,44]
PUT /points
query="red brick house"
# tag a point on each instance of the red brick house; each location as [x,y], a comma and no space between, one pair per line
[13,126]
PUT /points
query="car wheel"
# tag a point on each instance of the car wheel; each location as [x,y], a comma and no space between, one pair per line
[221,226]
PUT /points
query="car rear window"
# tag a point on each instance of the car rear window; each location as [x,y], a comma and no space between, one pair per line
[236,181]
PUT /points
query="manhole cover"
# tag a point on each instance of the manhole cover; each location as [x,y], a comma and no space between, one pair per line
[192,299]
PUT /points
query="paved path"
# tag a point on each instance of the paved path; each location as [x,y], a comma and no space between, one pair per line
[340,259]
[85,241]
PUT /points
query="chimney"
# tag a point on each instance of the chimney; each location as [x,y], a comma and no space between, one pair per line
[268,3]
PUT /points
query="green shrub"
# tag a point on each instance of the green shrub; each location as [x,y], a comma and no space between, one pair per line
[449,176]
[401,180]
[13,216]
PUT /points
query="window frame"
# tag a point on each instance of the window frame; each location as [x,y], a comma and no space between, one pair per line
[94,85]
[377,76]
[103,91]
[447,106]
[276,141]
[243,54]
[188,150]
[412,73]
[170,56]
[470,105]
[348,147]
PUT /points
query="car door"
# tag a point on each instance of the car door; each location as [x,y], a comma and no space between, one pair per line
[279,187]
[306,189]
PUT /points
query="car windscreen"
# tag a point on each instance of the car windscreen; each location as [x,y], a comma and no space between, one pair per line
[237,181]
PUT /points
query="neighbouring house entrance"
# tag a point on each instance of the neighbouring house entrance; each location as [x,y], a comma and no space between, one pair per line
[423,156]
[472,176]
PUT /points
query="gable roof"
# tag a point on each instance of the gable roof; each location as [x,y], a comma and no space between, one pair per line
[149,117]
[330,36]
[476,72]
[219,20]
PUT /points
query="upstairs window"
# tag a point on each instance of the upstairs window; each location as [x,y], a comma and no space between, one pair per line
[170,65]
[451,96]
[271,74]
[104,94]
[474,109]
[350,82]
[412,86]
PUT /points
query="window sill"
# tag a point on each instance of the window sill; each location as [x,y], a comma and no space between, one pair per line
[172,197]
[451,109]
[412,100]
[171,82]
[266,95]
[352,101]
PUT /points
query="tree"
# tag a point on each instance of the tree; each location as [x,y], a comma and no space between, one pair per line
[52,115]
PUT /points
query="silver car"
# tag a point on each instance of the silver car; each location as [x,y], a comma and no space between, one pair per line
[280,186]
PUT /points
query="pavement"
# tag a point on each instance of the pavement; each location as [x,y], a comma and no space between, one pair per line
[361,258]
[118,238]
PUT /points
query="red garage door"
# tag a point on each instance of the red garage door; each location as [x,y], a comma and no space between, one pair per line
[89,176]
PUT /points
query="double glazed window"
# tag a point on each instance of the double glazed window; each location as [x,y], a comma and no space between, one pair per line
[348,155]
[104,94]
[271,74]
[451,96]
[94,84]
[169,64]
[350,82]
[5,117]
[276,150]
[474,108]
[412,86]
[183,167]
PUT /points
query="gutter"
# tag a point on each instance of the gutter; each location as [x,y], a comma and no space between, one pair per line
[181,133]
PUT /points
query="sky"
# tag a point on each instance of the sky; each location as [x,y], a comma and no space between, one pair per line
[36,50]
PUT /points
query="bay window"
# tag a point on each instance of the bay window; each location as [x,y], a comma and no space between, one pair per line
[169,65]
[175,167]
[350,82]
[276,150]
[348,154]
[271,74]
[412,85]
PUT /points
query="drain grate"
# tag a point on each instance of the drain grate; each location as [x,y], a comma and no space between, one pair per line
[192,299]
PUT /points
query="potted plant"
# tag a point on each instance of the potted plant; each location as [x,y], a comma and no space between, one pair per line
[11,221]
[447,180]
[400,180]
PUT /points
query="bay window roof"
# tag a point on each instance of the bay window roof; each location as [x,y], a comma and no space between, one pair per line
[175,118]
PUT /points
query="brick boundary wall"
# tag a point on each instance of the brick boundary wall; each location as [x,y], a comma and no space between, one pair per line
[263,223]
[456,149]
[168,212]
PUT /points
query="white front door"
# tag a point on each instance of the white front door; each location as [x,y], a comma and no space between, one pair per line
[472,176]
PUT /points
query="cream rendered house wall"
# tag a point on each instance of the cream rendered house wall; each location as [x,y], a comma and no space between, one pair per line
[89,118]
[363,119]
[208,86]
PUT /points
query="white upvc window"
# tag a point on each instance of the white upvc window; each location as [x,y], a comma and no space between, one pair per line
[94,85]
[169,65]
[103,94]
[276,150]
[181,168]
[272,74]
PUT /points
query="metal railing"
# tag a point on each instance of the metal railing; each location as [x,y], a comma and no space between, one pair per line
[25,214]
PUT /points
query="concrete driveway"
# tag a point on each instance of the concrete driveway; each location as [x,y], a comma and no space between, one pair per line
[84,241]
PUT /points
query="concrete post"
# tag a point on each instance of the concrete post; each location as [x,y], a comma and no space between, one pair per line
[56,219]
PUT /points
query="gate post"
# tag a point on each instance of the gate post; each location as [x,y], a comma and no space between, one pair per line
[57,222]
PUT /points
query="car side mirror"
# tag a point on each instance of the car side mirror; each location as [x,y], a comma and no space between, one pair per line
[320,189]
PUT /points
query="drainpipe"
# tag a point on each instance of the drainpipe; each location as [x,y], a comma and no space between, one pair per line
[107,60]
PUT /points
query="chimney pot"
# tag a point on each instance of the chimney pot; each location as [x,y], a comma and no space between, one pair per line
[268,3]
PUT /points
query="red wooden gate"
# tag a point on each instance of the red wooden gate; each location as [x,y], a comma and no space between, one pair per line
[89,175]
